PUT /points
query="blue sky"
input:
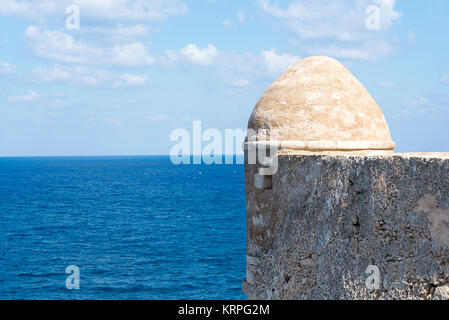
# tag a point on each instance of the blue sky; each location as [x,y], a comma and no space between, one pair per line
[136,70]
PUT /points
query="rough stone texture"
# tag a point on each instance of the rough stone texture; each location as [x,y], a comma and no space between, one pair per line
[318,99]
[317,218]
[440,293]
[327,217]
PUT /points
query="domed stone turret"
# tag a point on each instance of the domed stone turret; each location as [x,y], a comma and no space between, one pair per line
[318,105]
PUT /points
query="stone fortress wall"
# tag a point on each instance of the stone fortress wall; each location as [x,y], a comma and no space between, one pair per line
[339,215]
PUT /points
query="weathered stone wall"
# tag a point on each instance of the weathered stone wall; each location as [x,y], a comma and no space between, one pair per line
[327,218]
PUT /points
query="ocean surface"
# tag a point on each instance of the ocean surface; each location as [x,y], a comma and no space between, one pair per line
[137,228]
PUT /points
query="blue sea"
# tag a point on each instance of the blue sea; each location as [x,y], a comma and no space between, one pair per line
[136,227]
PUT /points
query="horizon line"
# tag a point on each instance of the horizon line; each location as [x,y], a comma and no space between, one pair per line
[109,155]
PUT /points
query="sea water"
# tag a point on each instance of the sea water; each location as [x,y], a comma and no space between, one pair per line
[136,227]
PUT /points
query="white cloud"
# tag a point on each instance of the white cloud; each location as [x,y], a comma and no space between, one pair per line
[365,51]
[29,9]
[194,55]
[317,19]
[27,97]
[131,55]
[204,57]
[339,24]
[121,10]
[419,101]
[86,76]
[31,96]
[58,46]
[119,31]
[252,69]
[73,75]
[344,20]
[240,83]
[130,80]
[61,47]
[236,70]
[276,64]
[7,68]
